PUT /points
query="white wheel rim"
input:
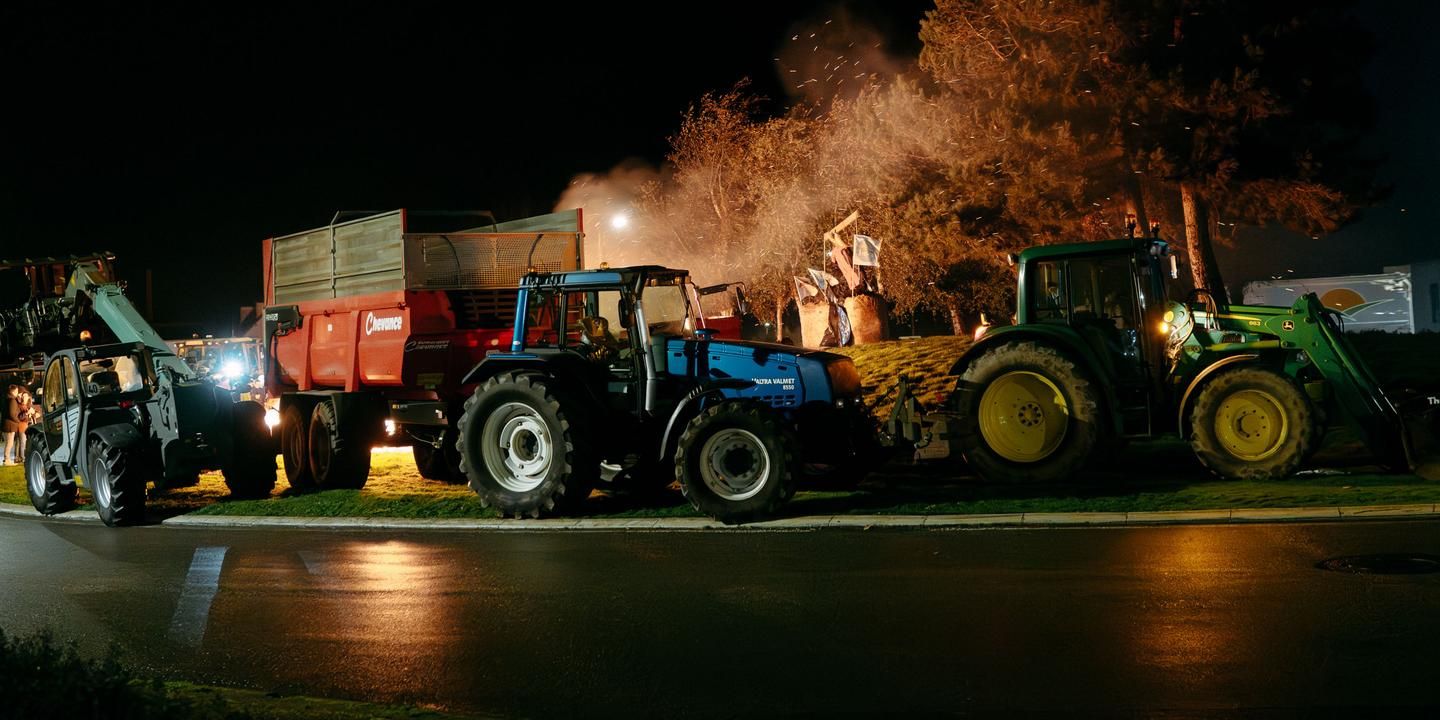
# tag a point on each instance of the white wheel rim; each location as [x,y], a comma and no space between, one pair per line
[734,464]
[518,448]
[99,487]
[35,469]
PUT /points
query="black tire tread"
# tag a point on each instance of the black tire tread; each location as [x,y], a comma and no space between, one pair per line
[349,461]
[59,496]
[579,465]
[1081,439]
[296,461]
[127,484]
[771,499]
[1294,402]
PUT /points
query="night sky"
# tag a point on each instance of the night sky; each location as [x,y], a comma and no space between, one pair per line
[181,138]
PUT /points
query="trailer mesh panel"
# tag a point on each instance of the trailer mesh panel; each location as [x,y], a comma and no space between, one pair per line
[375,255]
[486,260]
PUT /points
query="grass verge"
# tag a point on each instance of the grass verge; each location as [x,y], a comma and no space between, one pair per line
[1150,476]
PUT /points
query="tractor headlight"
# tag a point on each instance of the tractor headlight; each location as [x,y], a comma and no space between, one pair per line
[232,370]
[272,418]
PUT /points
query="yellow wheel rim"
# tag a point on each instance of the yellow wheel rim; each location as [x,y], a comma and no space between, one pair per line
[1251,425]
[1023,416]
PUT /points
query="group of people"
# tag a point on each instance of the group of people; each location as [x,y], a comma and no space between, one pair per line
[19,413]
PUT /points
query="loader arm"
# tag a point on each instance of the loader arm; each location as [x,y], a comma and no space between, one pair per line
[111,306]
[1356,390]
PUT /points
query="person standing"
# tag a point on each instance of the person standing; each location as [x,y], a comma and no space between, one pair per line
[12,423]
[27,418]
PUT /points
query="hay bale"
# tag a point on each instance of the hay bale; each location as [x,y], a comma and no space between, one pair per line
[815,320]
[867,318]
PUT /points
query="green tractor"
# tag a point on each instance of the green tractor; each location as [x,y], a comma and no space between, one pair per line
[1101,354]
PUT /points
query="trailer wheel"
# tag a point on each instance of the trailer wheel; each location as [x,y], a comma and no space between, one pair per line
[524,446]
[295,447]
[1253,424]
[442,463]
[250,471]
[114,478]
[47,492]
[736,462]
[336,462]
[1026,414]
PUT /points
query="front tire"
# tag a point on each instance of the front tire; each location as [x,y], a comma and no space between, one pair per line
[524,446]
[1253,424]
[48,493]
[336,462]
[250,472]
[1026,414]
[736,462]
[114,478]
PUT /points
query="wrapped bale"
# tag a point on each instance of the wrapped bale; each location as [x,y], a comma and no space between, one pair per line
[867,318]
[815,320]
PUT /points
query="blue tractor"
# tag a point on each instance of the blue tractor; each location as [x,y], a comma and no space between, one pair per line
[611,368]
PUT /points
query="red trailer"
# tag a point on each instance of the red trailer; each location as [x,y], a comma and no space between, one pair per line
[371,323]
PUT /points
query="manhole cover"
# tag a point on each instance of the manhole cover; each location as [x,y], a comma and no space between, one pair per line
[1388,564]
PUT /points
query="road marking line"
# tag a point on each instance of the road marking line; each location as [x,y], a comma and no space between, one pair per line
[192,612]
[313,561]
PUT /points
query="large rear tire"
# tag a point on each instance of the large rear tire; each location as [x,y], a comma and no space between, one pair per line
[736,462]
[250,471]
[525,448]
[48,493]
[337,462]
[1026,414]
[116,481]
[1253,424]
[295,447]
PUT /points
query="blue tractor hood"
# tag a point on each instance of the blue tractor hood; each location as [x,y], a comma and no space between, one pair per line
[783,375]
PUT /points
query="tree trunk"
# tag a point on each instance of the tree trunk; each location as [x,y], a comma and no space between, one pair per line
[1203,268]
[956,327]
[1135,202]
[779,321]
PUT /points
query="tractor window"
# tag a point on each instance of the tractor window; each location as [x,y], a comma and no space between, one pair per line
[54,396]
[1102,289]
[1115,288]
[72,383]
[111,376]
[1048,296]
[667,311]
[608,306]
[542,317]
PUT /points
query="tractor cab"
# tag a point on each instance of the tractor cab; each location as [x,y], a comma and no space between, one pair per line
[617,323]
[1113,296]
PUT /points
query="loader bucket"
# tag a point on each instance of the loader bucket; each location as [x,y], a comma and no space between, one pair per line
[1403,435]
[1420,423]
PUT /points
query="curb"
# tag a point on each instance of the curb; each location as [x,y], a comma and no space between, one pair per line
[807,523]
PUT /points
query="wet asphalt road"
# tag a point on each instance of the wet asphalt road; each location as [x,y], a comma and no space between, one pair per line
[1171,620]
